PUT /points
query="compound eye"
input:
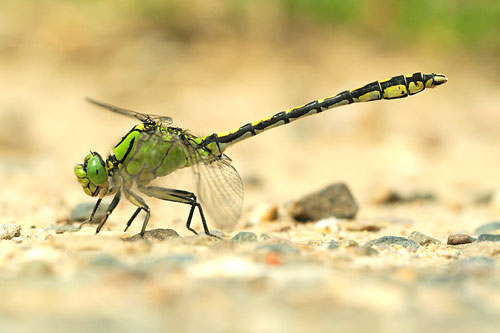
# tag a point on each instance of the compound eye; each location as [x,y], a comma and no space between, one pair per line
[96,171]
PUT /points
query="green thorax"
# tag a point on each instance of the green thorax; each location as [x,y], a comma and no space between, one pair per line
[150,150]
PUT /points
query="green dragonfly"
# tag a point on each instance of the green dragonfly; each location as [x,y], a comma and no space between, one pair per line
[153,149]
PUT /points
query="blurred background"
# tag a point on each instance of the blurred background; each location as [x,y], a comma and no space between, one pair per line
[216,65]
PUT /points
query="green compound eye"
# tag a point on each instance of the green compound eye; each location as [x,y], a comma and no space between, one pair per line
[96,171]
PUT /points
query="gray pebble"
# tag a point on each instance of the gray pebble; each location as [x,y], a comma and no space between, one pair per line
[334,200]
[487,228]
[394,240]
[217,233]
[82,211]
[458,239]
[333,245]
[393,197]
[154,235]
[10,230]
[279,247]
[244,236]
[422,239]
[489,238]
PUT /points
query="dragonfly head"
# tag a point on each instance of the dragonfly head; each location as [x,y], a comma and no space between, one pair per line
[93,175]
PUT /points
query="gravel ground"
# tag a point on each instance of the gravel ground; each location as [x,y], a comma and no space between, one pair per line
[420,253]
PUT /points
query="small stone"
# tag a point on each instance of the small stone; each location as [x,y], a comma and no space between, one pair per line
[458,239]
[394,240]
[488,238]
[82,211]
[244,236]
[422,239]
[10,230]
[217,233]
[154,235]
[483,198]
[334,200]
[283,248]
[487,228]
[332,245]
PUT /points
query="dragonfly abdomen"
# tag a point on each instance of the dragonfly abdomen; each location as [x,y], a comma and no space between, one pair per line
[396,87]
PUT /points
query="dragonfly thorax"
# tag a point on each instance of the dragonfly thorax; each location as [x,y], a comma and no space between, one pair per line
[93,175]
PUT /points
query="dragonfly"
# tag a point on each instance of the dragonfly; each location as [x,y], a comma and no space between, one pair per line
[154,149]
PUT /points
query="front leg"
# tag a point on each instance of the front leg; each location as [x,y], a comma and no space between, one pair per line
[89,220]
[110,209]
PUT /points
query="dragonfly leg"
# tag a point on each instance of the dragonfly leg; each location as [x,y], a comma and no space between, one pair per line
[91,214]
[139,202]
[132,218]
[180,196]
[110,209]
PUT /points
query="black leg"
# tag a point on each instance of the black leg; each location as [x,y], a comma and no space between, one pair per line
[91,214]
[132,218]
[180,196]
[110,209]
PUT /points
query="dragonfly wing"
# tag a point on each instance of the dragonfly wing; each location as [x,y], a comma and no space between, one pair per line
[220,191]
[144,117]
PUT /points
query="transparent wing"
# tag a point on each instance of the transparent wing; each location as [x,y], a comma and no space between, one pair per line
[220,190]
[141,116]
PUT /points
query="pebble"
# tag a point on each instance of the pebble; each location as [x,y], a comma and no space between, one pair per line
[10,230]
[81,212]
[487,228]
[363,227]
[154,235]
[394,240]
[334,200]
[488,238]
[422,239]
[332,245]
[458,239]
[278,247]
[244,236]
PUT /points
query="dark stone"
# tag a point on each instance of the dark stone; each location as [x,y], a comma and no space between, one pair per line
[422,239]
[488,238]
[82,211]
[458,239]
[244,236]
[154,235]
[487,228]
[394,240]
[334,200]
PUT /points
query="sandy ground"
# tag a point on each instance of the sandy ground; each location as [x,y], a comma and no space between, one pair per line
[443,141]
